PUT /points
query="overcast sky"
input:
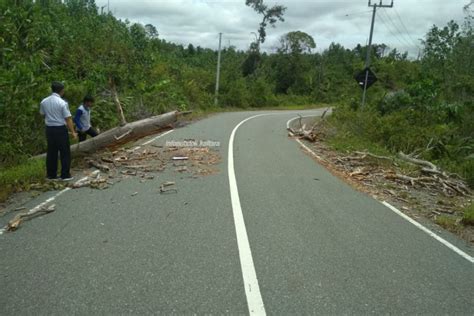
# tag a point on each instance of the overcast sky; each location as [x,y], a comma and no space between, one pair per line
[345,22]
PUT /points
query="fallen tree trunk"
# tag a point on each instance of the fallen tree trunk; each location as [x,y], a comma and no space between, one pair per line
[122,134]
[125,132]
[364,155]
[428,166]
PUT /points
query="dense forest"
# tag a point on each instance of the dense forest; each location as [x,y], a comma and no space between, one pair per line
[416,104]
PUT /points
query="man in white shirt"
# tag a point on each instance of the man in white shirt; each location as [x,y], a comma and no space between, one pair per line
[56,117]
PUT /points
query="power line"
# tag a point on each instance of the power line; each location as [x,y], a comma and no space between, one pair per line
[389,29]
[397,30]
[397,36]
[405,28]
[350,14]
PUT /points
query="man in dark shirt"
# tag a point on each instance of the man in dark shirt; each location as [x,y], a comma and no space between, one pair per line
[82,119]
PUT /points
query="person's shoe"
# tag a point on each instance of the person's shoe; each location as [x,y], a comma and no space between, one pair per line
[67,178]
[52,179]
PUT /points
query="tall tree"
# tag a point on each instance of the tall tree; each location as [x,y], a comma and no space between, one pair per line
[296,43]
[270,16]
[151,31]
[293,68]
[439,43]
[440,46]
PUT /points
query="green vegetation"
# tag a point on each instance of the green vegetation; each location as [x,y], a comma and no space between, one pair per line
[468,217]
[431,111]
[447,222]
[19,177]
[423,105]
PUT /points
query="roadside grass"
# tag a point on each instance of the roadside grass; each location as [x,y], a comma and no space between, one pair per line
[447,222]
[468,216]
[18,178]
[349,143]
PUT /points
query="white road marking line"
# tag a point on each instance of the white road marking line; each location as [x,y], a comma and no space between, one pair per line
[159,136]
[2,230]
[307,149]
[429,232]
[299,141]
[252,290]
[51,199]
[418,225]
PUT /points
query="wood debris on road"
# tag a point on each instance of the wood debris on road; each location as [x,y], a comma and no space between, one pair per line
[149,159]
[143,162]
[20,218]
[309,134]
[165,187]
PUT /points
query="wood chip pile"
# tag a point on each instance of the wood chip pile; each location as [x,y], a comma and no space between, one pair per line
[145,161]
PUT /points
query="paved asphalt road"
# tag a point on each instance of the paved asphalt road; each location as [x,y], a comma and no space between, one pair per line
[317,245]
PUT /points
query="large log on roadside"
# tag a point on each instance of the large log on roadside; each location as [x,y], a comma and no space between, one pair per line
[128,131]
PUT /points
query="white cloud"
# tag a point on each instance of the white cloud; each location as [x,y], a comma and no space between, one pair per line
[346,22]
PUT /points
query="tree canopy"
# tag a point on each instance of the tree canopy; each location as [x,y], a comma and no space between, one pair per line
[296,42]
[270,16]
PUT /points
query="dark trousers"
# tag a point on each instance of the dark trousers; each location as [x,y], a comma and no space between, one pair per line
[58,141]
[83,135]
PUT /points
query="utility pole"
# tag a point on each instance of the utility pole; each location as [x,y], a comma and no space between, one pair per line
[216,101]
[369,48]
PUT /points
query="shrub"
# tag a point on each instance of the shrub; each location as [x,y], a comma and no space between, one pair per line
[467,171]
[468,217]
[446,222]
[395,101]
[260,93]
[20,176]
[237,95]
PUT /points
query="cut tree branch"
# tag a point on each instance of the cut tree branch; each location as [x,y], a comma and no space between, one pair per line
[417,161]
[113,90]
